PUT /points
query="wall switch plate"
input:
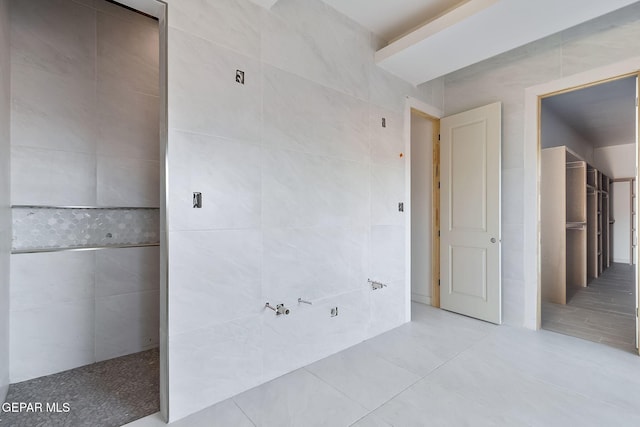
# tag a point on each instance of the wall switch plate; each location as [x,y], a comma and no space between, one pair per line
[240,77]
[197,200]
[384,122]
[334,311]
[400,207]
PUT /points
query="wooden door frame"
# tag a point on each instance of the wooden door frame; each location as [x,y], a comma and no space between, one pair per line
[434,115]
[532,169]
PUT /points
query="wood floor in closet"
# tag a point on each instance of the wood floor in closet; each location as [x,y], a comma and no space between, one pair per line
[602,312]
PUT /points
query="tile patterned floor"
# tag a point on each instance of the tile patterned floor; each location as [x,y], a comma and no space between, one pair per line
[602,312]
[444,370]
[103,394]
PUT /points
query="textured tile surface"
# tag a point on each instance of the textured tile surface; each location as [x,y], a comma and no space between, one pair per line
[51,228]
[105,394]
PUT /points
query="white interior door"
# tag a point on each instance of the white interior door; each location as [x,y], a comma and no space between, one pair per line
[470,282]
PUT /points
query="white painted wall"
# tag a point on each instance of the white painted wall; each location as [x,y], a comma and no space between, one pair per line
[598,43]
[300,187]
[84,132]
[5,214]
[421,207]
[617,161]
[621,204]
[556,132]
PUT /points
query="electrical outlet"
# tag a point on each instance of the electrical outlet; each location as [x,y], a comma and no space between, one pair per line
[240,77]
[400,207]
[334,311]
[384,122]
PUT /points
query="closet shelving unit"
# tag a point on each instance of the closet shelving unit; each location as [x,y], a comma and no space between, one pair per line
[574,214]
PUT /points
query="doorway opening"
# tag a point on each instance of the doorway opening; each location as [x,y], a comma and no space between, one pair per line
[588,160]
[425,208]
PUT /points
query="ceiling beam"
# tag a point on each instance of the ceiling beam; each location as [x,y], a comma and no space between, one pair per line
[446,19]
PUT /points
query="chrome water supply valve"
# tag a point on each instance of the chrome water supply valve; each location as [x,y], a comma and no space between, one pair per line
[279,309]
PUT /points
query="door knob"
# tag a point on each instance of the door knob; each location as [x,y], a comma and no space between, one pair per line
[493,240]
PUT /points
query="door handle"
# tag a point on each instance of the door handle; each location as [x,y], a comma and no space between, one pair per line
[493,240]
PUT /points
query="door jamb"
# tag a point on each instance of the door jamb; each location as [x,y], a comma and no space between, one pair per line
[434,114]
[604,74]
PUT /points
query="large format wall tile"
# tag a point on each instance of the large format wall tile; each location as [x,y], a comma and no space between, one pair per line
[128,182]
[127,124]
[46,177]
[208,365]
[293,217]
[52,313]
[388,308]
[309,333]
[237,22]
[52,111]
[44,279]
[127,270]
[389,92]
[304,116]
[214,278]
[387,253]
[387,143]
[300,190]
[228,175]
[51,339]
[126,324]
[311,40]
[387,190]
[57,36]
[128,53]
[314,263]
[200,72]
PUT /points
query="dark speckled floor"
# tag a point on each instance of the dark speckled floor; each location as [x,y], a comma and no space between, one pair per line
[104,394]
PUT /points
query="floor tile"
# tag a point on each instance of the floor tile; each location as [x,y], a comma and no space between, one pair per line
[298,399]
[363,375]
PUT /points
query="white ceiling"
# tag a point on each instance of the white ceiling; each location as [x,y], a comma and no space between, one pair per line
[472,31]
[390,19]
[604,114]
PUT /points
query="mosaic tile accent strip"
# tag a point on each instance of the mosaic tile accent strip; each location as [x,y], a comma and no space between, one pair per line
[44,228]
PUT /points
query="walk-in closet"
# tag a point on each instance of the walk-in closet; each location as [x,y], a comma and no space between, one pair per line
[587,216]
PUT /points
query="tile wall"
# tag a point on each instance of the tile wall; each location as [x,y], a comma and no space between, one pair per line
[84,120]
[300,186]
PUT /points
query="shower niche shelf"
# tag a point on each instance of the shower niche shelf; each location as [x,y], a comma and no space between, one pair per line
[59,228]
